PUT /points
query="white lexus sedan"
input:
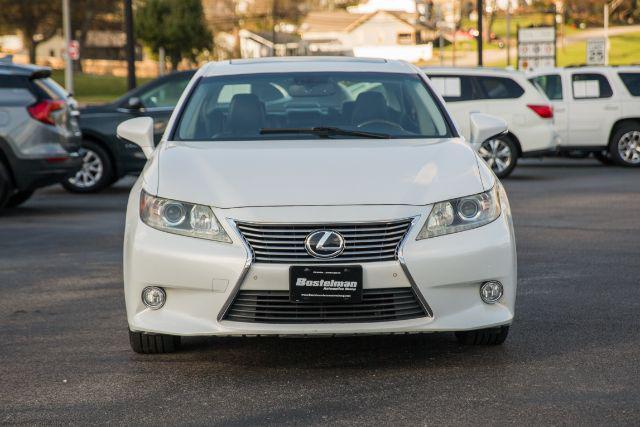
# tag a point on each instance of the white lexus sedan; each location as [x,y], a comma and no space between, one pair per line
[280,203]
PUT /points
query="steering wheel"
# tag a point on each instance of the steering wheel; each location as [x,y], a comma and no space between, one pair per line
[380,122]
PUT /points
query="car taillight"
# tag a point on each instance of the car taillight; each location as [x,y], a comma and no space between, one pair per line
[43,109]
[544,111]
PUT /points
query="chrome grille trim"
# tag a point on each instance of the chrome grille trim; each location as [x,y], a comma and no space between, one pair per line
[364,241]
[378,305]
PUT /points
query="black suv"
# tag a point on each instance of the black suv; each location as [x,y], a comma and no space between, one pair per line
[107,158]
[39,132]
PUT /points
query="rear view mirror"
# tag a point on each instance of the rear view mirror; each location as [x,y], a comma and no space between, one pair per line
[484,126]
[140,132]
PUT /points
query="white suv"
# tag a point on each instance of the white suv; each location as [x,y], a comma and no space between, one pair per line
[505,94]
[292,207]
[597,110]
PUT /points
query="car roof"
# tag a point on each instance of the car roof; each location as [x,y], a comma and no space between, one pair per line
[29,70]
[306,64]
[595,68]
[471,71]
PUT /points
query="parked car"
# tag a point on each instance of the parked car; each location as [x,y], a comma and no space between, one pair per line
[106,159]
[319,215]
[39,133]
[505,94]
[597,110]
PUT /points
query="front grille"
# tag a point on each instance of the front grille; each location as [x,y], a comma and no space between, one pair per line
[364,242]
[378,305]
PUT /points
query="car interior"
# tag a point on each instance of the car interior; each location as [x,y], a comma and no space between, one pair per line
[242,110]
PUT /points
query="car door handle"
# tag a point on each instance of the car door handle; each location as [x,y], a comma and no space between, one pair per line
[611,107]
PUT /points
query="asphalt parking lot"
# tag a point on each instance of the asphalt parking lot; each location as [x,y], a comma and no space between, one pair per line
[572,355]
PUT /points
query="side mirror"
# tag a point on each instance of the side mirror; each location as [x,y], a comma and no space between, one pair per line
[484,126]
[140,132]
[134,103]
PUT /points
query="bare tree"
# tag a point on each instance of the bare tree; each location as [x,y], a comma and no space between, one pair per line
[86,15]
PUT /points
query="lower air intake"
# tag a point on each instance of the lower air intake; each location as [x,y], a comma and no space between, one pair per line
[378,305]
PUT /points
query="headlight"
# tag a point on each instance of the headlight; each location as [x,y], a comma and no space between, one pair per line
[462,214]
[182,218]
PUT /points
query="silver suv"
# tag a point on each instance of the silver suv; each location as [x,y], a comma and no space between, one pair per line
[39,132]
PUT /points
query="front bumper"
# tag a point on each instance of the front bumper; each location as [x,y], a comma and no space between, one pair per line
[201,277]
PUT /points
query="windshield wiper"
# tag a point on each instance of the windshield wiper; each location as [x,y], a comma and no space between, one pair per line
[324,132]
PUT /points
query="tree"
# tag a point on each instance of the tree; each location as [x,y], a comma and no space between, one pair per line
[86,16]
[37,20]
[176,25]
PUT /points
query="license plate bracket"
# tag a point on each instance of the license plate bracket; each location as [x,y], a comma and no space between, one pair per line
[339,284]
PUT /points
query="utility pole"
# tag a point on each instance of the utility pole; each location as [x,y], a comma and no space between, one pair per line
[606,32]
[480,8]
[162,61]
[455,30]
[68,67]
[440,27]
[508,35]
[130,47]
[274,14]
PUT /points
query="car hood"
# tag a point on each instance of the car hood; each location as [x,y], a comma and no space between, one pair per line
[317,172]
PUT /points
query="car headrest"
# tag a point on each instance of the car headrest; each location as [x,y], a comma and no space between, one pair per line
[246,114]
[370,106]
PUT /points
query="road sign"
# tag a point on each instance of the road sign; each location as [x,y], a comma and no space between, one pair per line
[74,50]
[597,51]
[536,47]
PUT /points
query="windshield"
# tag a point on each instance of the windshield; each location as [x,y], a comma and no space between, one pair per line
[257,106]
[52,89]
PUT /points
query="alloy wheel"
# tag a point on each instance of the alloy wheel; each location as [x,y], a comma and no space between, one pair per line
[629,147]
[497,154]
[91,171]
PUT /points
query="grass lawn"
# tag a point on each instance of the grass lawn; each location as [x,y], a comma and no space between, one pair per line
[500,23]
[94,89]
[624,50]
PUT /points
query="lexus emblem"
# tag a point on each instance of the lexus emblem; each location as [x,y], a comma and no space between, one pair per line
[324,244]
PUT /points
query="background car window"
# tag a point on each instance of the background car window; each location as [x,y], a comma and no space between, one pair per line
[550,84]
[590,86]
[632,82]
[499,88]
[47,88]
[165,94]
[227,92]
[13,82]
[454,88]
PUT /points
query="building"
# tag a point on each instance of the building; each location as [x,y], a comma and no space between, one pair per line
[382,33]
[260,44]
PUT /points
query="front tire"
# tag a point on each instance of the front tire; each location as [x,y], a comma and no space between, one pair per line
[96,172]
[491,336]
[18,198]
[501,155]
[153,343]
[5,186]
[603,157]
[624,148]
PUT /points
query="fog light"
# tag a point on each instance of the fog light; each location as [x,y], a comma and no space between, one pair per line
[153,297]
[491,291]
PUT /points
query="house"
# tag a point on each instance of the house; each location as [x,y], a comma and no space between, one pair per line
[381,33]
[260,44]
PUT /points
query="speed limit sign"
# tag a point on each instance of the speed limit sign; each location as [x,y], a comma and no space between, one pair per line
[73,50]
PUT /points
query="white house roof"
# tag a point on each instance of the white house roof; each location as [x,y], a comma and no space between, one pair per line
[341,21]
